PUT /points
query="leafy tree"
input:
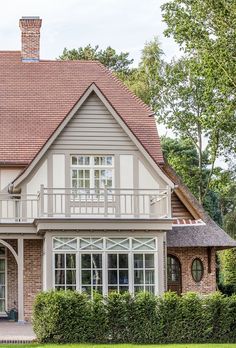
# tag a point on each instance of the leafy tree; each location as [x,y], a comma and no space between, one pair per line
[207,27]
[182,156]
[117,62]
[147,79]
[194,110]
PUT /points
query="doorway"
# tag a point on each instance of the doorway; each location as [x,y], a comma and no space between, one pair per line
[174,282]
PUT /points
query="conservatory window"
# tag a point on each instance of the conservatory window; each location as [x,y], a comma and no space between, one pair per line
[65,271]
[118,272]
[144,273]
[91,273]
[105,264]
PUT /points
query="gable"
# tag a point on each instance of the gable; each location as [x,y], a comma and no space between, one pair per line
[179,210]
[93,128]
[67,142]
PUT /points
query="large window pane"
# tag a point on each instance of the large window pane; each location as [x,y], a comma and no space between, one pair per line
[144,274]
[149,261]
[86,261]
[123,260]
[112,277]
[59,277]
[118,274]
[86,276]
[2,265]
[112,261]
[138,260]
[65,271]
[123,277]
[71,277]
[91,273]
[70,260]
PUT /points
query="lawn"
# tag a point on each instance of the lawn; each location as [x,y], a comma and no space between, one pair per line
[233,345]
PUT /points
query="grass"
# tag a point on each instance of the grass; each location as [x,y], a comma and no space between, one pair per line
[223,345]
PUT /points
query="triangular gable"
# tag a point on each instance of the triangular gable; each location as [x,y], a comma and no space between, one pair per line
[92,89]
[179,210]
[93,127]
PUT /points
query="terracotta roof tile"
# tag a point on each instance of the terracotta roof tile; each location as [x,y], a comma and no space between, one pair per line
[36,97]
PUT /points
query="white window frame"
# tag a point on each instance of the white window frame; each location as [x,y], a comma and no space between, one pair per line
[65,269]
[129,250]
[92,167]
[4,257]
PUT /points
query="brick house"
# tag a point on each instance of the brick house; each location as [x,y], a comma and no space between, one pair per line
[86,200]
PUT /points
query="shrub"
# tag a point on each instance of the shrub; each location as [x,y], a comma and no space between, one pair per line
[66,316]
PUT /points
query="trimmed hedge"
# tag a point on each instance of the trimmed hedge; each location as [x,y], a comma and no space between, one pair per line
[71,317]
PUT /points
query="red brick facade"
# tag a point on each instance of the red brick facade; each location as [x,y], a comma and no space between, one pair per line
[186,257]
[32,274]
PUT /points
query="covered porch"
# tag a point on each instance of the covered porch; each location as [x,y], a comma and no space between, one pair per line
[20,278]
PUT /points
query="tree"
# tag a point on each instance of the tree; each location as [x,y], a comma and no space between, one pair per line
[146,80]
[207,27]
[194,110]
[182,155]
[117,62]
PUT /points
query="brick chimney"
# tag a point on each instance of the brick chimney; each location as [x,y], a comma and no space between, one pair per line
[30,37]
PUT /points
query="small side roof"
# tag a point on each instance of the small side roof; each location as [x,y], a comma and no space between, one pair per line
[206,234]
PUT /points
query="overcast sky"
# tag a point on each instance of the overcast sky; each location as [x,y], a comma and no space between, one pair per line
[123,24]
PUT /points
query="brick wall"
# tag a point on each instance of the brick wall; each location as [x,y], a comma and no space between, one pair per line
[186,257]
[32,273]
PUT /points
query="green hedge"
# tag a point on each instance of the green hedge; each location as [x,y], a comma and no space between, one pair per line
[66,316]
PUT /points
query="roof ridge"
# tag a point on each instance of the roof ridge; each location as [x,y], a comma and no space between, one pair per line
[125,88]
[69,61]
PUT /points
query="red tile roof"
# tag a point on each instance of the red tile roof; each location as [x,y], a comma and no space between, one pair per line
[36,97]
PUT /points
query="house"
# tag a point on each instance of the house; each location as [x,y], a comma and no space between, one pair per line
[86,200]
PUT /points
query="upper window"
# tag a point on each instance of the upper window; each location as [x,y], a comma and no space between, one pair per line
[92,172]
[197,270]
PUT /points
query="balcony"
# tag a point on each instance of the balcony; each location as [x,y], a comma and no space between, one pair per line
[86,203]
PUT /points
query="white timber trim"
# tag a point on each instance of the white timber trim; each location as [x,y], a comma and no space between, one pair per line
[21,317]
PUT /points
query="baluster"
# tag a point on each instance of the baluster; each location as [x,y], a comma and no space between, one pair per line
[41,200]
[105,202]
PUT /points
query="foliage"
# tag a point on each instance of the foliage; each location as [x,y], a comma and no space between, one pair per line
[67,316]
[146,80]
[207,28]
[194,109]
[117,62]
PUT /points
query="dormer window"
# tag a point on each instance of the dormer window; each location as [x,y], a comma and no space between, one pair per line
[92,172]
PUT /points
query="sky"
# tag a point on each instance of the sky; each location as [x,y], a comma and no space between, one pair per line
[123,24]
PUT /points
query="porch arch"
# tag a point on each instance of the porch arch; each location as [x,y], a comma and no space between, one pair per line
[8,246]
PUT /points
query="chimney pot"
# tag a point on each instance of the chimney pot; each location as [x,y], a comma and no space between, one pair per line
[30,38]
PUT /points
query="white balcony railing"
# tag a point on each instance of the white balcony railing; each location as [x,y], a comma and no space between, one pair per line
[83,203]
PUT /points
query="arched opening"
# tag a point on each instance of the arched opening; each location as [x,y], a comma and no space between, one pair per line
[174,276]
[8,276]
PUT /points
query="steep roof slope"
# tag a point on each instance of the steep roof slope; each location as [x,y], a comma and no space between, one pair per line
[36,97]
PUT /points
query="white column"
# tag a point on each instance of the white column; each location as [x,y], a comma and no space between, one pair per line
[161,263]
[21,317]
[47,262]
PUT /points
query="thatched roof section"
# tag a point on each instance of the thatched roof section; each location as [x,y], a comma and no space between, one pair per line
[199,236]
[195,235]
